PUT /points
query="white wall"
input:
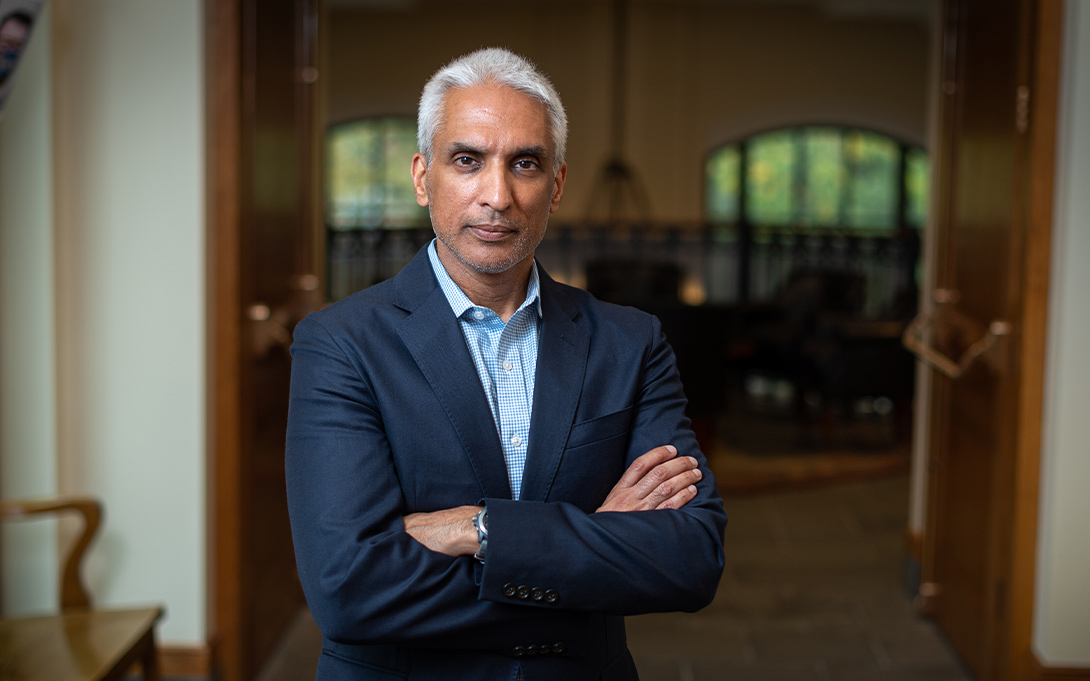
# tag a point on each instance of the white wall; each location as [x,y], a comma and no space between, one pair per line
[28,413]
[1061,634]
[128,283]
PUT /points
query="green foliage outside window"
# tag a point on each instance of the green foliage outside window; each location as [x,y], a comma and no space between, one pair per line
[818,177]
[368,184]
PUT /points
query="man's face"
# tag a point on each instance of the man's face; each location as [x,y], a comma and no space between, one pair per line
[13,35]
[490,187]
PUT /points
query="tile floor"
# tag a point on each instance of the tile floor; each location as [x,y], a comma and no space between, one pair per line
[813,589]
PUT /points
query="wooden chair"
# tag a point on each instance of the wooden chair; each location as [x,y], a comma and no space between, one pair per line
[81,643]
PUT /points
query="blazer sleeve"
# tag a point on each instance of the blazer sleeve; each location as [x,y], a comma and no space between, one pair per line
[616,563]
[366,580]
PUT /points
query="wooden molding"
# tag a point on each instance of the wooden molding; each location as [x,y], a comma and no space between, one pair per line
[185,661]
[223,87]
[1039,672]
[914,544]
[1042,76]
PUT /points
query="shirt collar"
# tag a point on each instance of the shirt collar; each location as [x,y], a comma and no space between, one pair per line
[458,300]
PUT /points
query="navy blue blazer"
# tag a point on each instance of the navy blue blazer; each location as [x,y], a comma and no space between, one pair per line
[387,417]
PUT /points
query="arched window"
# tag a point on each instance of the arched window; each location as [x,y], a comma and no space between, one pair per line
[368,185]
[818,177]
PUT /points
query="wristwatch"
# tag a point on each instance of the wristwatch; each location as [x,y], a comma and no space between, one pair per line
[480,523]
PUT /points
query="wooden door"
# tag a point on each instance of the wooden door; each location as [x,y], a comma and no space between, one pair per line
[261,197]
[994,170]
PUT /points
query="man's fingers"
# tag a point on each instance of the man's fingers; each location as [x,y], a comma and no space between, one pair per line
[644,463]
[683,497]
[664,474]
[680,478]
[664,484]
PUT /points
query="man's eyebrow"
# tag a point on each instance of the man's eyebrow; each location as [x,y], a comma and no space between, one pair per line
[455,148]
[538,151]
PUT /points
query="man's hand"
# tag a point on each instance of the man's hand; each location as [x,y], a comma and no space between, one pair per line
[656,480]
[449,531]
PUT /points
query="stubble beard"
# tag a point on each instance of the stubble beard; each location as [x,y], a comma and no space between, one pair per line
[507,255]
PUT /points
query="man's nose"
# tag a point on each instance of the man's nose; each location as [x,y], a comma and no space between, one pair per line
[496,187]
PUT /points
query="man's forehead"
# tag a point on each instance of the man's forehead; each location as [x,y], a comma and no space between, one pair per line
[468,112]
[480,94]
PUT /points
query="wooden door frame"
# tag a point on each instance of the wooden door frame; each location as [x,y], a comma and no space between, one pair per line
[1018,474]
[224,186]
[1044,28]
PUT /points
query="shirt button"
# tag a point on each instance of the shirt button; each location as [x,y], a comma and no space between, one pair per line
[507,366]
[516,440]
[477,314]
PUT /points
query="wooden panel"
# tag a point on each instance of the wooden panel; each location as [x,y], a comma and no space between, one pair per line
[994,214]
[260,150]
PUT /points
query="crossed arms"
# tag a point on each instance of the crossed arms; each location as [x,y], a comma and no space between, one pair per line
[658,480]
[381,497]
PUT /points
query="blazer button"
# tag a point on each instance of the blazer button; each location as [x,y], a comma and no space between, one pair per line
[537,594]
[559,648]
[552,596]
[523,592]
[519,651]
[532,649]
[509,589]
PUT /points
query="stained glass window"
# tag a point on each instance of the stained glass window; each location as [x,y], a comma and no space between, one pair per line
[368,184]
[818,176]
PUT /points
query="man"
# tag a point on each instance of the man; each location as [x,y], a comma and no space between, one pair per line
[487,469]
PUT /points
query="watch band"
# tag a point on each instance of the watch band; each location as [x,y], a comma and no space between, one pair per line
[480,523]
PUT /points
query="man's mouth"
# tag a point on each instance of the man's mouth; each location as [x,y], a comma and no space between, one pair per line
[490,232]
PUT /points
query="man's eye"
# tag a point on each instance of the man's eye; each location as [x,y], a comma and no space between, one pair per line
[526,164]
[465,161]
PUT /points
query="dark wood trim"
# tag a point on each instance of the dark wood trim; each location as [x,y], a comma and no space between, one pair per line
[223,86]
[1042,77]
[914,543]
[1039,672]
[185,661]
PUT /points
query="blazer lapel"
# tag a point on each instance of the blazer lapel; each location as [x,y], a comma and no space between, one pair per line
[563,347]
[433,337]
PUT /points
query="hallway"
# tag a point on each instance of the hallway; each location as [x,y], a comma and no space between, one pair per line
[813,589]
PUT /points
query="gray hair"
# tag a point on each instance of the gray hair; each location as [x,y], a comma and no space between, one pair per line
[493,65]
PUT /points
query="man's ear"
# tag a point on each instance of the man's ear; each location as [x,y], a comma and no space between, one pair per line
[558,191]
[420,174]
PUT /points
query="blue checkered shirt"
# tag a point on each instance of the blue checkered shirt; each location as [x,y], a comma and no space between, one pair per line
[506,358]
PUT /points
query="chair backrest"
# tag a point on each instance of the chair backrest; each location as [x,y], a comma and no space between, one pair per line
[73,594]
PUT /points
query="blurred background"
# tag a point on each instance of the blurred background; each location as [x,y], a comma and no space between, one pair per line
[787,184]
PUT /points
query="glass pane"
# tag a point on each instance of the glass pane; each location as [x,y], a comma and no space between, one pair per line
[401,208]
[771,160]
[917,184]
[352,168]
[873,165]
[368,180]
[824,178]
[722,180]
